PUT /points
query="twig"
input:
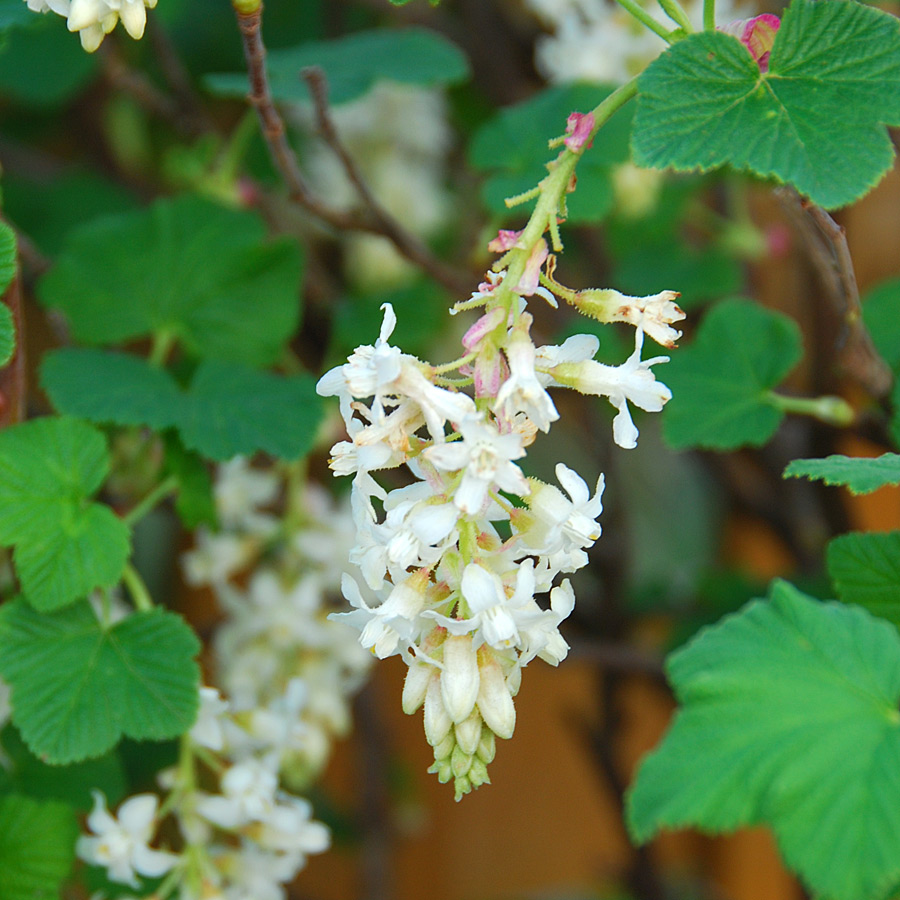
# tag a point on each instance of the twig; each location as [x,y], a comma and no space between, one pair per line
[827,245]
[374,221]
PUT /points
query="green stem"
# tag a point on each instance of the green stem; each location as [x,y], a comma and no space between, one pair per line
[645,18]
[675,11]
[709,15]
[831,410]
[453,365]
[136,587]
[139,510]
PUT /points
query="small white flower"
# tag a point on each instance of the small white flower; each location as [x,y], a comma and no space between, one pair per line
[207,731]
[248,795]
[485,458]
[290,828]
[522,391]
[120,843]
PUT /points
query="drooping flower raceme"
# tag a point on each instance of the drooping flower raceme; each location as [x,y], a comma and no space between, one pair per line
[452,570]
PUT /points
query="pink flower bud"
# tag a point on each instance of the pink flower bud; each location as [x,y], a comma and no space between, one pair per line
[578,128]
[531,276]
[757,35]
[504,241]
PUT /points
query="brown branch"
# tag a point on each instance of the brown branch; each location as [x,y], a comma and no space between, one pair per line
[374,220]
[826,242]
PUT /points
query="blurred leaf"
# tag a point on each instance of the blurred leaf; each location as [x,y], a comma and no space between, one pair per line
[859,475]
[185,267]
[7,256]
[820,766]
[43,64]
[195,502]
[46,210]
[354,63]
[881,314]
[104,386]
[230,409]
[512,148]
[65,546]
[865,569]
[7,334]
[720,382]
[697,274]
[37,847]
[78,686]
[14,12]
[69,784]
[816,119]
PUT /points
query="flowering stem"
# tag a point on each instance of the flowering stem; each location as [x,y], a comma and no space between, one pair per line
[453,365]
[552,188]
[643,16]
[831,410]
[709,15]
[139,510]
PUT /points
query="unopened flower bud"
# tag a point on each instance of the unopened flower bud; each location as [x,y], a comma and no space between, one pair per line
[757,35]
[459,678]
[436,719]
[494,701]
[487,746]
[468,733]
[578,130]
[442,769]
[478,773]
[463,786]
[415,685]
[460,761]
[444,749]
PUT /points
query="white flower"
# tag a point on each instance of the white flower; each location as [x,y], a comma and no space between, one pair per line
[522,391]
[392,626]
[561,523]
[207,731]
[94,19]
[240,491]
[248,795]
[289,828]
[631,382]
[485,458]
[121,843]
[215,557]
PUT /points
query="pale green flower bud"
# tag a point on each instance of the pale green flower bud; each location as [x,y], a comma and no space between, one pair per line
[468,733]
[459,678]
[487,746]
[460,761]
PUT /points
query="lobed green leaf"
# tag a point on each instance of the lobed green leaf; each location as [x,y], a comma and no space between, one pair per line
[859,475]
[186,268]
[788,717]
[65,546]
[816,119]
[78,687]
[720,383]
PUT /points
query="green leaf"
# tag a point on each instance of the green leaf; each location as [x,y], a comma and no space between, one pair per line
[859,475]
[816,119]
[12,12]
[104,386]
[881,314]
[186,268]
[69,784]
[512,148]
[78,687]
[865,569]
[721,381]
[65,546]
[788,718]
[37,847]
[353,64]
[7,256]
[230,409]
[7,334]
[194,503]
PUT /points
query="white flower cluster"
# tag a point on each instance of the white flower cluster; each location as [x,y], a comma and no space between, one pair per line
[599,41]
[94,19]
[243,843]
[287,669]
[452,563]
[399,137]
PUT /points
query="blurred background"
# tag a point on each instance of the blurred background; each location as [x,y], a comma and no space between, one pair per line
[688,536]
